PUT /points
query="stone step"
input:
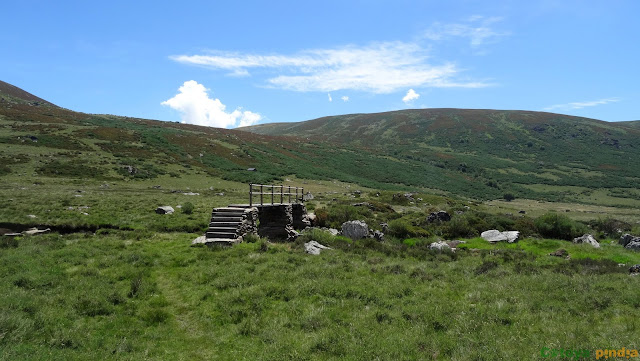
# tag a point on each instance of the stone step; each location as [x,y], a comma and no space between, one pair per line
[229,209]
[226,219]
[223,229]
[221,241]
[239,206]
[227,214]
[224,224]
[221,235]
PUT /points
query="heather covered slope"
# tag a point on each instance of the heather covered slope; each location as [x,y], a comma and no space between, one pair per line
[479,154]
[511,150]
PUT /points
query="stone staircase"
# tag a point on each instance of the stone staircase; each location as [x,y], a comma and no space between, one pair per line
[229,224]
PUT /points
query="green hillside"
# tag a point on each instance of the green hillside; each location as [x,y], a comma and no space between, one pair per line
[481,152]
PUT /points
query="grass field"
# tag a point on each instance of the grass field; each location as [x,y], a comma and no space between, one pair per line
[147,295]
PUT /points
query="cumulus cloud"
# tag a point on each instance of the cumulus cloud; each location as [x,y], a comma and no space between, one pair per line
[330,98]
[580,105]
[377,68]
[410,97]
[478,29]
[196,107]
[345,98]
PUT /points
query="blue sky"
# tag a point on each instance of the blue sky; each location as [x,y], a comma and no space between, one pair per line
[247,62]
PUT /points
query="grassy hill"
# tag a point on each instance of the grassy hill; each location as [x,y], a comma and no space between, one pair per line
[486,152]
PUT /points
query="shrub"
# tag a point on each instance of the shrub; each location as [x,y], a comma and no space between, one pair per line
[508,197]
[401,228]
[251,238]
[322,217]
[610,226]
[187,208]
[554,225]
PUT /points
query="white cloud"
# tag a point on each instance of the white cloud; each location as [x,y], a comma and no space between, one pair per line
[345,98]
[196,107]
[329,95]
[410,97]
[377,68]
[580,105]
[476,28]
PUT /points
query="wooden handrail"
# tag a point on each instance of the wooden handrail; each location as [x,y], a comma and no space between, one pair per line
[299,197]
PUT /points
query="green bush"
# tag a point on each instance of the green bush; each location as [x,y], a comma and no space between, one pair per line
[554,225]
[401,228]
[187,208]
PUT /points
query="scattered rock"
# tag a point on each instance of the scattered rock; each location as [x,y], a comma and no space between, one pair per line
[191,194]
[378,236]
[441,216]
[32,216]
[355,229]
[313,219]
[307,196]
[560,253]
[635,269]
[385,227]
[493,235]
[627,238]
[440,246]
[199,240]
[522,212]
[165,210]
[587,238]
[633,245]
[334,232]
[156,187]
[314,247]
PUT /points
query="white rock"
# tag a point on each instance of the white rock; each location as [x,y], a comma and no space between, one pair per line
[587,238]
[493,235]
[314,247]
[165,210]
[440,246]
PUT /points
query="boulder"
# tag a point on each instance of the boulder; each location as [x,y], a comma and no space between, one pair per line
[587,238]
[627,238]
[165,210]
[33,231]
[440,246]
[441,216]
[633,245]
[378,236]
[493,235]
[355,229]
[635,269]
[314,248]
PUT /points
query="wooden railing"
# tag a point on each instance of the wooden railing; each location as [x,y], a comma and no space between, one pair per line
[259,189]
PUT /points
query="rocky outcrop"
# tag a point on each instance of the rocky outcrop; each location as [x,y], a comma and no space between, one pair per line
[378,236]
[165,210]
[588,239]
[635,269]
[355,230]
[493,235]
